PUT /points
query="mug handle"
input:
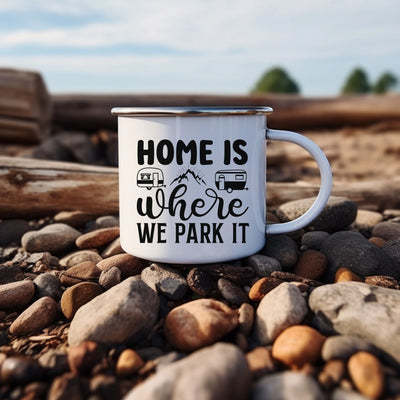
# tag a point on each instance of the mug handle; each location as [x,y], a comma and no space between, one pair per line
[326,181]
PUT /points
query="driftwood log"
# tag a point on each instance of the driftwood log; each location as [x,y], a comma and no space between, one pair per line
[33,188]
[25,107]
[92,112]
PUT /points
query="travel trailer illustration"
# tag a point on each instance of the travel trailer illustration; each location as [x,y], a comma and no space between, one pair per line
[150,178]
[231,179]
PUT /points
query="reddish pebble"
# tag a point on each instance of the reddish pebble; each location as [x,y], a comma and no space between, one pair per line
[298,345]
[377,241]
[311,264]
[97,238]
[84,357]
[345,275]
[260,362]
[129,362]
[127,264]
[262,287]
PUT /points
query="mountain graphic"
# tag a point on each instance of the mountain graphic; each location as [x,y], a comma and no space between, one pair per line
[186,176]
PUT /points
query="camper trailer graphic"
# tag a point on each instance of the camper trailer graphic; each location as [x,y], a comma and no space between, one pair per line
[150,178]
[231,179]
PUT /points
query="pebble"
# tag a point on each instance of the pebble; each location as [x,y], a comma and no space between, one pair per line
[346,394]
[358,309]
[337,214]
[366,372]
[44,258]
[37,316]
[54,238]
[84,271]
[262,287]
[129,362]
[313,239]
[377,241]
[104,386]
[20,370]
[16,294]
[260,362]
[123,314]
[392,249]
[282,248]
[287,385]
[353,250]
[127,264]
[201,282]
[297,346]
[199,323]
[76,296]
[54,362]
[311,264]
[49,285]
[344,274]
[110,278]
[113,249]
[387,230]
[107,221]
[10,273]
[65,387]
[231,292]
[366,220]
[76,219]
[384,281]
[263,265]
[83,357]
[281,308]
[80,256]
[332,373]
[11,231]
[216,372]
[342,347]
[246,318]
[165,280]
[97,238]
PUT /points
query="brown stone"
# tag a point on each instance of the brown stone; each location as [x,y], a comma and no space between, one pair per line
[39,315]
[260,362]
[16,294]
[113,248]
[344,274]
[366,372]
[199,323]
[262,287]
[377,241]
[129,362]
[82,358]
[76,219]
[246,318]
[383,281]
[78,295]
[80,256]
[331,375]
[97,238]
[84,271]
[298,345]
[127,264]
[311,264]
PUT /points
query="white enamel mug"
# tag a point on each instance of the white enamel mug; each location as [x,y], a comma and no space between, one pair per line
[192,182]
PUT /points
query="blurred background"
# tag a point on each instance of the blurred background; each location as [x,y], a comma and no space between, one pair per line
[329,69]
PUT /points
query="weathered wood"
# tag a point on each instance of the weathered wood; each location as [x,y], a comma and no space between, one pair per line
[32,188]
[92,112]
[25,107]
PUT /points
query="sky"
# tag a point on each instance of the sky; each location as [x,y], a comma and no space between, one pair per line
[198,46]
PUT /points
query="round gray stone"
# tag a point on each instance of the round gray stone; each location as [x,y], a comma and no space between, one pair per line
[392,249]
[353,251]
[53,238]
[282,248]
[338,213]
[387,230]
[48,285]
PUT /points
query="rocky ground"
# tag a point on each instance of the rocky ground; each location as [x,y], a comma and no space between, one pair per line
[314,315]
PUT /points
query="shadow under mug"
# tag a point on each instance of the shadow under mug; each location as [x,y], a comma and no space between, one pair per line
[192,182]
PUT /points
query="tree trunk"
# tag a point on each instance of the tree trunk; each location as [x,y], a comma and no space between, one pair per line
[93,112]
[33,188]
[25,107]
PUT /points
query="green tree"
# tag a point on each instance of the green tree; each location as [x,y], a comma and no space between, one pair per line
[276,80]
[356,83]
[384,83]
